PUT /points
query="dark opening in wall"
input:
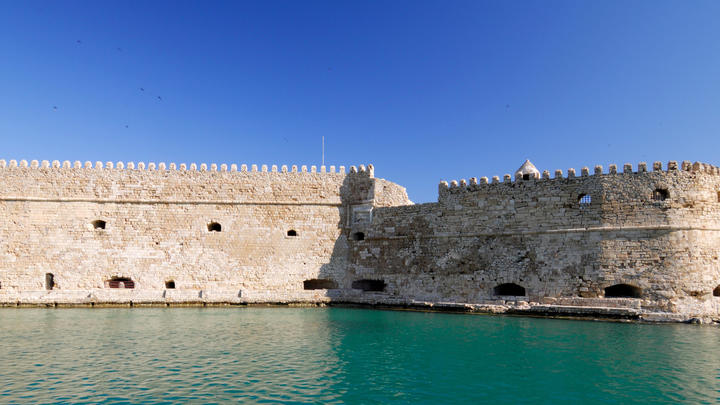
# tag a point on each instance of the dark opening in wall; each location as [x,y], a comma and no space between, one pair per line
[319,284]
[98,224]
[716,291]
[511,289]
[214,227]
[292,232]
[121,282]
[49,281]
[357,236]
[584,200]
[369,285]
[170,284]
[718,196]
[660,194]
[526,176]
[623,291]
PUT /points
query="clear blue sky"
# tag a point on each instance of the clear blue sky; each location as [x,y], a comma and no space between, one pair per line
[424,90]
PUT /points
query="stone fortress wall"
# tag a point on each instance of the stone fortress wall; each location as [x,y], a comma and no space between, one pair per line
[641,244]
[73,233]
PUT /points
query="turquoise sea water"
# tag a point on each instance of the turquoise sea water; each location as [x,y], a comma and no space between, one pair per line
[289,355]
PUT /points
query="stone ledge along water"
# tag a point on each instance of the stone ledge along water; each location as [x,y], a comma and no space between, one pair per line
[639,244]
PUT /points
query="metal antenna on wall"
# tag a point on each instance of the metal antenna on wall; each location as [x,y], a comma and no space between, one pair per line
[323,151]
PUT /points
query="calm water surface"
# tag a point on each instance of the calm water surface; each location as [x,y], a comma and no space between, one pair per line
[288,355]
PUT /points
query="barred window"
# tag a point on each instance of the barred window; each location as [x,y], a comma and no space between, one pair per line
[584,200]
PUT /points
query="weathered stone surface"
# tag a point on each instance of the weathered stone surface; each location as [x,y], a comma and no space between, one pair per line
[538,235]
[155,230]
[562,241]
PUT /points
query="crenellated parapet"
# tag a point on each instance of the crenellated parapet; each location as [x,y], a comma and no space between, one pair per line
[151,182]
[203,167]
[521,176]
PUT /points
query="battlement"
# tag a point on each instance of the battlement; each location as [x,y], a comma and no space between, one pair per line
[203,167]
[474,183]
[150,182]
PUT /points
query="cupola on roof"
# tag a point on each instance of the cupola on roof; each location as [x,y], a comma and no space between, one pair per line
[527,171]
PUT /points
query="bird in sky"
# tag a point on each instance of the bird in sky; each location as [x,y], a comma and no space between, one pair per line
[54,108]
[79,41]
[159,98]
[142,89]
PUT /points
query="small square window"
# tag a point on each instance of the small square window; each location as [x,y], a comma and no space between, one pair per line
[660,194]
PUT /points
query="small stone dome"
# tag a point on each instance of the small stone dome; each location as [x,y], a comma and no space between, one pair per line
[527,171]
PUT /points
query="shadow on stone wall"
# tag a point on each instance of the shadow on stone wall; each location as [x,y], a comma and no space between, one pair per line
[335,277]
